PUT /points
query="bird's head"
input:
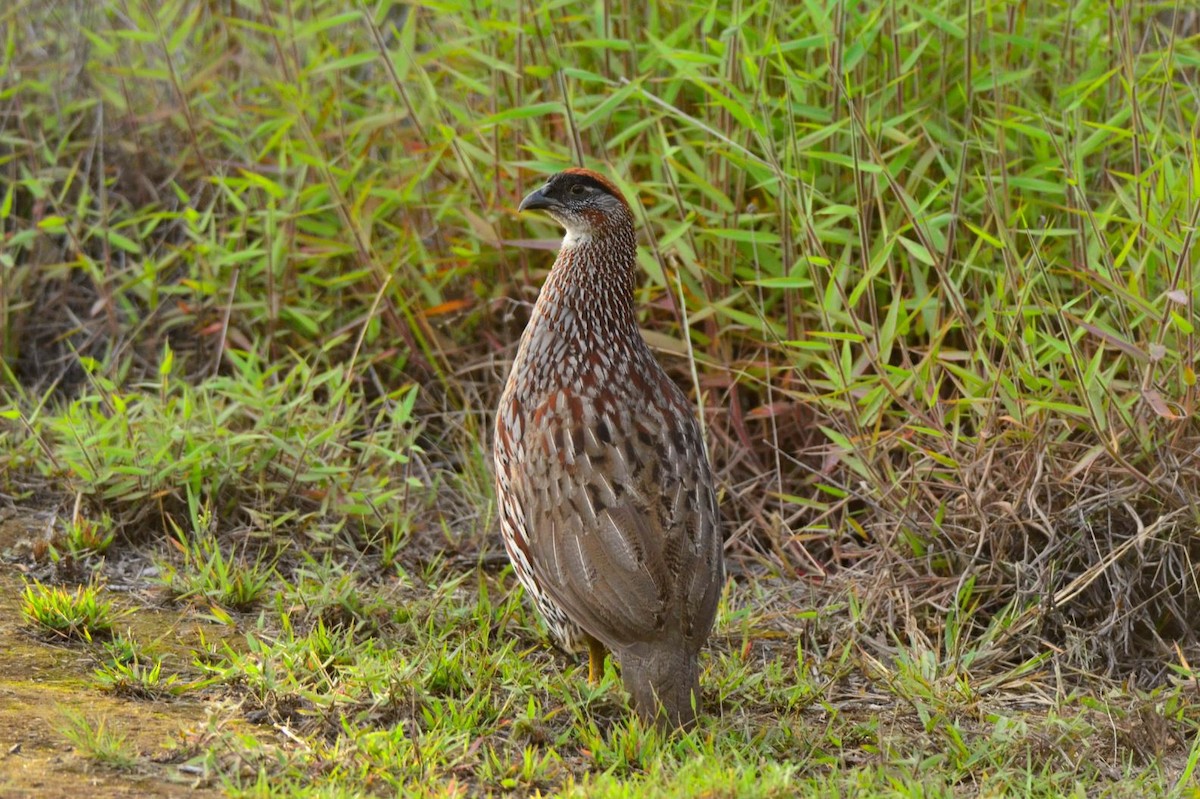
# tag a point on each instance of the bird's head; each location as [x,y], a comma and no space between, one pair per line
[582,201]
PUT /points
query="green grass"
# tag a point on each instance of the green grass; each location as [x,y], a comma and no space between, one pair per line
[926,269]
[86,537]
[99,741]
[80,613]
[201,571]
[128,671]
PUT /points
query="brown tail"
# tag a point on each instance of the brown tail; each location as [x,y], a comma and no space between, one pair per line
[662,682]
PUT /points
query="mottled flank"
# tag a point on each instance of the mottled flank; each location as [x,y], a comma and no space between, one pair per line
[606,496]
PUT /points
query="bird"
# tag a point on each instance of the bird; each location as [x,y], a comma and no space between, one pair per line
[605,494]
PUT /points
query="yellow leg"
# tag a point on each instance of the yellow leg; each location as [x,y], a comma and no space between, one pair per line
[596,655]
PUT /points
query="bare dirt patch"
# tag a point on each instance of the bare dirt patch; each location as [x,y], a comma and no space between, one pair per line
[43,683]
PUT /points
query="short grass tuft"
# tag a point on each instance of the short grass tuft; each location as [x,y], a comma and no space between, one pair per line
[98,741]
[87,536]
[203,570]
[130,672]
[79,614]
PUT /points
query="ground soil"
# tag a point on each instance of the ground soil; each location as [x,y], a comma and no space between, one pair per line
[43,682]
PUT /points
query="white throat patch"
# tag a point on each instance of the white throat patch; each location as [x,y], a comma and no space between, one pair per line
[576,237]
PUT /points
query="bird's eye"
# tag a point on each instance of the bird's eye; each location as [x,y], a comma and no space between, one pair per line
[579,190]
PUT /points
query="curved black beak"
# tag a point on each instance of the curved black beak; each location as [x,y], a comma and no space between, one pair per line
[537,201]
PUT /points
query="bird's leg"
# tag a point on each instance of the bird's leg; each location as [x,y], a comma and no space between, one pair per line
[596,655]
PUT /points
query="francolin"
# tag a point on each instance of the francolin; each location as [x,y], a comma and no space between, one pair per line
[606,497]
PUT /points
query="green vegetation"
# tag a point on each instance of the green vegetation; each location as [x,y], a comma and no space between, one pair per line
[74,614]
[98,741]
[86,537]
[927,269]
[130,672]
[205,572]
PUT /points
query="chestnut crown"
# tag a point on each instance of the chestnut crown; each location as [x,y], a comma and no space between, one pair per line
[580,200]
